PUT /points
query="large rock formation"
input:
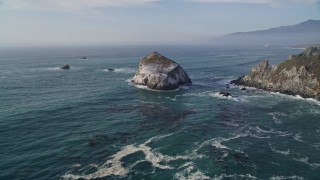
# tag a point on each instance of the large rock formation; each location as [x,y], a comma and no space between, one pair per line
[158,72]
[298,75]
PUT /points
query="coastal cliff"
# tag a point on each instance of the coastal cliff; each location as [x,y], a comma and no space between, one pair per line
[160,73]
[298,75]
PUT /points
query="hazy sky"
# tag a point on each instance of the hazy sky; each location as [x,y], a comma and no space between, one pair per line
[96,22]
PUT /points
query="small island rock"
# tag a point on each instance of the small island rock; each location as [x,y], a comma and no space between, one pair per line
[160,73]
[225,94]
[65,67]
[298,75]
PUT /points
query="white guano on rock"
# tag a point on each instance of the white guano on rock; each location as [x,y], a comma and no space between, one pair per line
[160,73]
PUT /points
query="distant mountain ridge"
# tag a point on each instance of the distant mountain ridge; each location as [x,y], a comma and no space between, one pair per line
[307,32]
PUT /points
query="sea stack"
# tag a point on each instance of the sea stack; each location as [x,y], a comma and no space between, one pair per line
[160,73]
[65,67]
[298,75]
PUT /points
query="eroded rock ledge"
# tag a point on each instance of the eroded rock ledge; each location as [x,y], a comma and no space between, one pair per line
[298,75]
[160,73]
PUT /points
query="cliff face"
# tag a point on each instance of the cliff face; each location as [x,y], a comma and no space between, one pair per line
[158,72]
[298,75]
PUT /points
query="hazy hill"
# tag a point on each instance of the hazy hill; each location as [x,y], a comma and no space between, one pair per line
[307,32]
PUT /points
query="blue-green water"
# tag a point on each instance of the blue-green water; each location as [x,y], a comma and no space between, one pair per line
[88,123]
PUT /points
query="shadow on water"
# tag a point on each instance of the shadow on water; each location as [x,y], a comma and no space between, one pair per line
[157,116]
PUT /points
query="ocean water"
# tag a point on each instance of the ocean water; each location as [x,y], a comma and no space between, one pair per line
[89,123]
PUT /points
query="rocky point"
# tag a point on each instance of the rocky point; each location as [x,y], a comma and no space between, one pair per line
[298,75]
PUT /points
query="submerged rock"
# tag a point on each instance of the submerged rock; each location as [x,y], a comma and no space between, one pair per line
[110,69]
[65,67]
[225,94]
[158,72]
[298,75]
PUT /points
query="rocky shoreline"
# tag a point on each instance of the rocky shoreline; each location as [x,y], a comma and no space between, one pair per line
[298,75]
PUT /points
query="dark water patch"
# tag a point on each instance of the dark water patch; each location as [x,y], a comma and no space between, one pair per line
[231,115]
[121,108]
[158,117]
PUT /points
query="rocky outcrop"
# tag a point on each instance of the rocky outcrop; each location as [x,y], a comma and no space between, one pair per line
[65,67]
[158,72]
[225,94]
[298,75]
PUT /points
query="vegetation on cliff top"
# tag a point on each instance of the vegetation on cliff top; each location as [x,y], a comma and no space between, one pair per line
[156,58]
[310,58]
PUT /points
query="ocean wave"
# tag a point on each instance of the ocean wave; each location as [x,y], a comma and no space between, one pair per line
[53,69]
[271,131]
[296,97]
[248,131]
[190,173]
[217,142]
[286,178]
[305,160]
[146,88]
[218,95]
[124,70]
[298,137]
[276,116]
[129,81]
[202,94]
[234,176]
[48,69]
[227,80]
[278,94]
[287,152]
[114,166]
[302,48]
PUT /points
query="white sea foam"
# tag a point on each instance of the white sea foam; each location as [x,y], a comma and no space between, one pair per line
[298,137]
[190,173]
[217,142]
[53,69]
[277,115]
[76,165]
[256,132]
[217,95]
[287,152]
[302,48]
[296,97]
[114,165]
[202,94]
[286,178]
[234,176]
[129,81]
[48,69]
[305,160]
[271,131]
[124,70]
[146,88]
